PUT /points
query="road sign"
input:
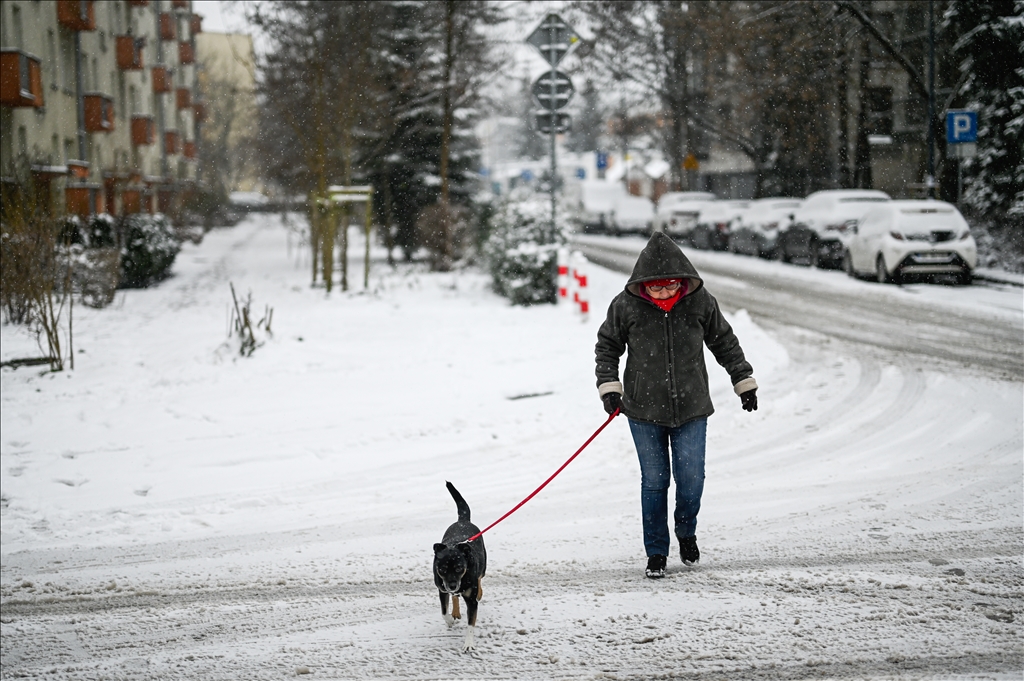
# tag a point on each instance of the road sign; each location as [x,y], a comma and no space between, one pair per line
[691,163]
[544,118]
[961,127]
[553,95]
[602,160]
[553,38]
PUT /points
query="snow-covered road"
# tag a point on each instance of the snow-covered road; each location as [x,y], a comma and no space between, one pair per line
[172,512]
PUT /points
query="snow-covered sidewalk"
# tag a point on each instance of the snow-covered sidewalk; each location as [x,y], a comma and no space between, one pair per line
[171,510]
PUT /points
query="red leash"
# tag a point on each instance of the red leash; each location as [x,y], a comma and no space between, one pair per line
[545,483]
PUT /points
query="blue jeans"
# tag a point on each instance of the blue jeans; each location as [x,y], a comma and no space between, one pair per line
[687,443]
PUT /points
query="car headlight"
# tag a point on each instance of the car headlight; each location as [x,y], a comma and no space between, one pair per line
[966,235]
[896,235]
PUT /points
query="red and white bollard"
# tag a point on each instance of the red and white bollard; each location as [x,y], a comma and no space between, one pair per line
[579,275]
[563,273]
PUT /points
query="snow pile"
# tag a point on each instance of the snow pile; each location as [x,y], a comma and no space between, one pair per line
[172,510]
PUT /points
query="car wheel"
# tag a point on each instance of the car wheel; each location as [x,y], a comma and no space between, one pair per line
[812,253]
[965,278]
[881,274]
[848,264]
[780,252]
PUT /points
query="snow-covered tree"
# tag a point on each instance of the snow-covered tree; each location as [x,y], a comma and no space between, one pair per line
[991,50]
[522,250]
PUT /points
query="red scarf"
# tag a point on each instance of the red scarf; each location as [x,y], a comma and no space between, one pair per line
[666,304]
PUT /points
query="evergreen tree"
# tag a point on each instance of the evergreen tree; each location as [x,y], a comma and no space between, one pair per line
[991,50]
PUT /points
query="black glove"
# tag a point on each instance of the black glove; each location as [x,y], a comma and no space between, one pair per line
[749,400]
[612,401]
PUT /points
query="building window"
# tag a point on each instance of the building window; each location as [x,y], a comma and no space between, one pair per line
[67,59]
[51,60]
[879,101]
[19,36]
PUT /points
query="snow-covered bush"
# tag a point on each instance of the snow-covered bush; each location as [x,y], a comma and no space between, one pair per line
[148,250]
[522,249]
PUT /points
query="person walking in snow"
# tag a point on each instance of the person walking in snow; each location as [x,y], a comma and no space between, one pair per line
[664,317]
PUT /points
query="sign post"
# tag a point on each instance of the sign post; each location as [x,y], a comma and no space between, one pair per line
[356,194]
[962,139]
[553,38]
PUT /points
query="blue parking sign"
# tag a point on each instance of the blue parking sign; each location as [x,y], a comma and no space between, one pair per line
[961,127]
[602,160]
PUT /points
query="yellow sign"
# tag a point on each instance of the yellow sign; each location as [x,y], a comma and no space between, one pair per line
[691,163]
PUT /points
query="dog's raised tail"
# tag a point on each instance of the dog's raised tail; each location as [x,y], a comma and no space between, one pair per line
[460,503]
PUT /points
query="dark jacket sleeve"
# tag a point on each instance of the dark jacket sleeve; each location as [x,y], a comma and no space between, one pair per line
[720,339]
[611,344]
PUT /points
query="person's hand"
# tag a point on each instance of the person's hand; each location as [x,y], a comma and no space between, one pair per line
[749,400]
[612,401]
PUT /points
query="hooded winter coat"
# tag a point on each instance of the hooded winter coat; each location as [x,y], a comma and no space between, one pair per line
[666,380]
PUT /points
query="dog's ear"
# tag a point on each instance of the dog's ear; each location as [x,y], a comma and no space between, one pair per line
[438,548]
[465,548]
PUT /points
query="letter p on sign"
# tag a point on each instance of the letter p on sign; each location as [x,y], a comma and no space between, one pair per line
[961,127]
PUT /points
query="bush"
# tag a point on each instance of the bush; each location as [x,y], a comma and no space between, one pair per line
[522,249]
[148,251]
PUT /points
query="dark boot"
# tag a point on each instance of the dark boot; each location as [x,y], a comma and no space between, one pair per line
[656,566]
[688,550]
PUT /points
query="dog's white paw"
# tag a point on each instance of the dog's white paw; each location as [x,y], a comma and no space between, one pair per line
[449,620]
[469,644]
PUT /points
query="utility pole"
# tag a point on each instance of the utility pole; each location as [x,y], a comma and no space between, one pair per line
[930,180]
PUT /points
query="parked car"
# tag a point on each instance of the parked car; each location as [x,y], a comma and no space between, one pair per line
[824,223]
[632,214]
[756,230]
[901,239]
[595,205]
[677,212]
[715,223]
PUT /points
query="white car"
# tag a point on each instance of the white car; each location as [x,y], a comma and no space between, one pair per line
[823,225]
[899,239]
[756,230]
[596,205]
[632,214]
[715,223]
[678,211]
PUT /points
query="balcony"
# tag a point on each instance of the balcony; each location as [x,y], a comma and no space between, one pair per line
[129,52]
[162,80]
[78,15]
[168,27]
[99,112]
[21,80]
[138,3]
[199,108]
[186,53]
[184,98]
[143,131]
[82,199]
[171,140]
[179,4]
[189,150]
[195,24]
[78,170]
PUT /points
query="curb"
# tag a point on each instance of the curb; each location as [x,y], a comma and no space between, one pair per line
[999,276]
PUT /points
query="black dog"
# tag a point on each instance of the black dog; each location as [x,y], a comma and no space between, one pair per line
[459,566]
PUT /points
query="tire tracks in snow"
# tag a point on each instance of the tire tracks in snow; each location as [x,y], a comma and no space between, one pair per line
[744,615]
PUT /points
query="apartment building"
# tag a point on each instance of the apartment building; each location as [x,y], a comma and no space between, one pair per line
[98,100]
